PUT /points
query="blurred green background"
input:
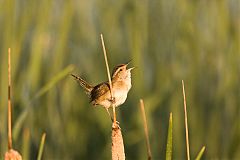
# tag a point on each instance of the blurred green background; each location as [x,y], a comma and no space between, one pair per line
[197,41]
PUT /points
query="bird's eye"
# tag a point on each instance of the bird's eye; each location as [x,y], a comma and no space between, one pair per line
[120,69]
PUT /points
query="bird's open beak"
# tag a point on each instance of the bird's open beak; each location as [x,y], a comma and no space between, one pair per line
[131,68]
[128,64]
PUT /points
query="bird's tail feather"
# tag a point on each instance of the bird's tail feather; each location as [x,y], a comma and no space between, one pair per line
[87,87]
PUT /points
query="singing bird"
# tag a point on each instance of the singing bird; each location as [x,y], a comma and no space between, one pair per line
[101,94]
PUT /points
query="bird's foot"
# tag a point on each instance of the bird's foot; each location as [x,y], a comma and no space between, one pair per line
[113,100]
[116,125]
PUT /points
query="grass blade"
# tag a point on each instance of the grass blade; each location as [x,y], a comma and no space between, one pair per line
[145,129]
[41,92]
[186,121]
[53,81]
[199,156]
[169,140]
[41,147]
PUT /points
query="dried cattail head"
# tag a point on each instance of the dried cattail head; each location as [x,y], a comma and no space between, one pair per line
[12,155]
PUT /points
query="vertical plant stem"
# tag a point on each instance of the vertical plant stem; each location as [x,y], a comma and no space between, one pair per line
[9,102]
[145,129]
[186,121]
[40,151]
[109,78]
[169,139]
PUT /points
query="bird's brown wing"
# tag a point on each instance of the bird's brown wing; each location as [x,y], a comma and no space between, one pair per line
[99,90]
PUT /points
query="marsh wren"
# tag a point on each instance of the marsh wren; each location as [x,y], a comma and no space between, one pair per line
[101,95]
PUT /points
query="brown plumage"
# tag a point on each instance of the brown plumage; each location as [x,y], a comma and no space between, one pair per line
[100,94]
